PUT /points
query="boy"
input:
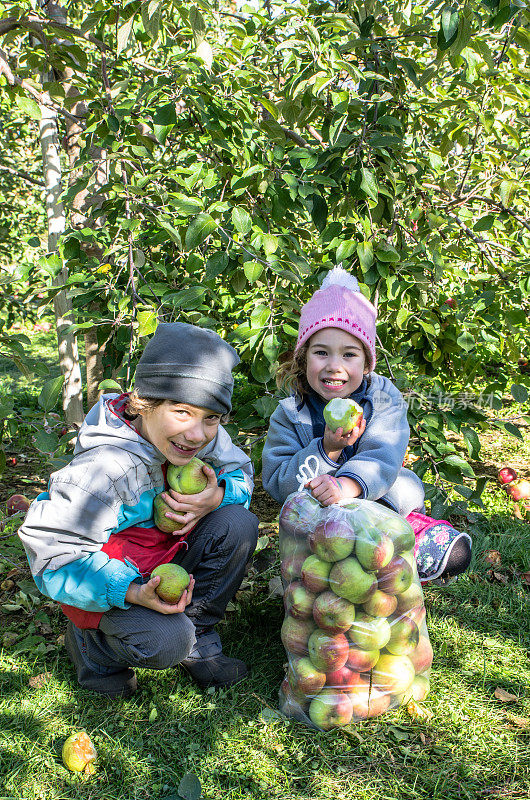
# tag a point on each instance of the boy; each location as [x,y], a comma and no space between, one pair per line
[91,540]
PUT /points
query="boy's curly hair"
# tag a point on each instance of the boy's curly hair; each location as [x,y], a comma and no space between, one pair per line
[291,374]
[136,405]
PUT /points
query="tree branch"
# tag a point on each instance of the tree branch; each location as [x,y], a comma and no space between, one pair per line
[20,173]
[36,24]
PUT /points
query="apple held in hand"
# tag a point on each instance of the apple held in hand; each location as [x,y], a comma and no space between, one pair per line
[381,604]
[332,539]
[396,577]
[315,574]
[343,413]
[404,636]
[393,674]
[173,581]
[369,633]
[506,475]
[368,701]
[298,601]
[331,709]
[332,613]
[298,512]
[304,678]
[361,660]
[349,580]
[295,634]
[188,478]
[162,522]
[519,490]
[373,549]
[327,651]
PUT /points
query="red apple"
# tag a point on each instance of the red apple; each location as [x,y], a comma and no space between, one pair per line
[343,679]
[396,577]
[361,660]
[506,475]
[305,678]
[295,635]
[374,549]
[422,656]
[519,490]
[292,704]
[368,701]
[298,512]
[291,567]
[328,652]
[315,574]
[332,540]
[393,674]
[333,614]
[331,709]
[451,302]
[380,604]
[404,636]
[17,502]
[298,601]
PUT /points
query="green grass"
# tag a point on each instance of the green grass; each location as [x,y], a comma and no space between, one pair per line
[473,747]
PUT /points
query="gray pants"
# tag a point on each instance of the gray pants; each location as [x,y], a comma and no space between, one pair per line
[219,548]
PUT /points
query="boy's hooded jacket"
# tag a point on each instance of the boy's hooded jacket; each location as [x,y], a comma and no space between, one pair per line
[109,486]
[377,461]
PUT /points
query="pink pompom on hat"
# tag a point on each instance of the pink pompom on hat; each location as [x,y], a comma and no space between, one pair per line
[340,304]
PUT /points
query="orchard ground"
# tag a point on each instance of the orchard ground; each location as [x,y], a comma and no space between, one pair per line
[476,744]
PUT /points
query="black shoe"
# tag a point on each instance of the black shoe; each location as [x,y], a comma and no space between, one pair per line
[208,666]
[93,676]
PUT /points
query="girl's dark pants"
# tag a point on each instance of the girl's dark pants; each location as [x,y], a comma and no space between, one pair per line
[219,548]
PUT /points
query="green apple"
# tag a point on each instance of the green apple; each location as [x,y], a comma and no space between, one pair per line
[289,546]
[411,598]
[332,539]
[162,522]
[373,549]
[315,574]
[369,633]
[395,577]
[332,613]
[404,636]
[327,651]
[343,413]
[291,567]
[380,604]
[295,634]
[349,580]
[173,581]
[419,689]
[188,478]
[393,674]
[305,678]
[400,532]
[331,709]
[298,601]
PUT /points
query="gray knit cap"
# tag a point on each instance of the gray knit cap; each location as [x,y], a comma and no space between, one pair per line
[188,365]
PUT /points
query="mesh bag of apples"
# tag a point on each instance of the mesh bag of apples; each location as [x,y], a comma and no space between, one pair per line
[354,627]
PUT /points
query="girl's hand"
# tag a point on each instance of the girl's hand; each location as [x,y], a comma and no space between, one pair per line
[334,443]
[328,489]
[190,508]
[143,594]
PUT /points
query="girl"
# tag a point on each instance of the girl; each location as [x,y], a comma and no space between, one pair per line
[335,357]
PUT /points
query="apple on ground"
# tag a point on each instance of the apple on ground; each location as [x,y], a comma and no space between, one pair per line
[519,490]
[396,576]
[381,604]
[315,574]
[298,512]
[349,580]
[332,613]
[369,633]
[404,636]
[342,413]
[506,475]
[298,601]
[422,656]
[17,502]
[327,651]
[187,478]
[79,753]
[374,549]
[361,660]
[173,581]
[343,679]
[331,709]
[368,701]
[393,674]
[295,635]
[332,539]
[305,678]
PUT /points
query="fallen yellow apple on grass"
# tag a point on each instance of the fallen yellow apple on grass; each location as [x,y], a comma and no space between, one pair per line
[79,753]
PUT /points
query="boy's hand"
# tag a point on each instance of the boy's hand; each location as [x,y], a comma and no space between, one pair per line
[143,594]
[327,489]
[334,443]
[190,508]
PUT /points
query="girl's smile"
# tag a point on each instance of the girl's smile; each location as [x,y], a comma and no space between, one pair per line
[336,363]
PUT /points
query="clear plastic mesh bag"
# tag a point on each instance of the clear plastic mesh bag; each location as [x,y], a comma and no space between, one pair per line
[354,627]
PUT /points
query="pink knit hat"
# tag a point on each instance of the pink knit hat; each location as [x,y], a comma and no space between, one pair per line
[340,304]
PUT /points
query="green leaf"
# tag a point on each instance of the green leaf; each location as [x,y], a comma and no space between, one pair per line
[466,341]
[513,430]
[108,385]
[173,233]
[216,264]
[345,250]
[199,230]
[51,392]
[369,183]
[319,212]
[507,191]
[2,461]
[241,220]
[147,322]
[386,253]
[197,23]
[28,106]
[270,244]
[46,442]
[472,442]
[484,223]
[365,251]
[460,464]
[519,392]
[124,33]
[449,22]
[252,270]
[190,787]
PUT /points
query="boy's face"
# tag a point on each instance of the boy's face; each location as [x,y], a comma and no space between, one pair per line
[178,430]
[336,363]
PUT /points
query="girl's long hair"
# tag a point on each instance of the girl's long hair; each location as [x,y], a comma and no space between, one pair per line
[291,374]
